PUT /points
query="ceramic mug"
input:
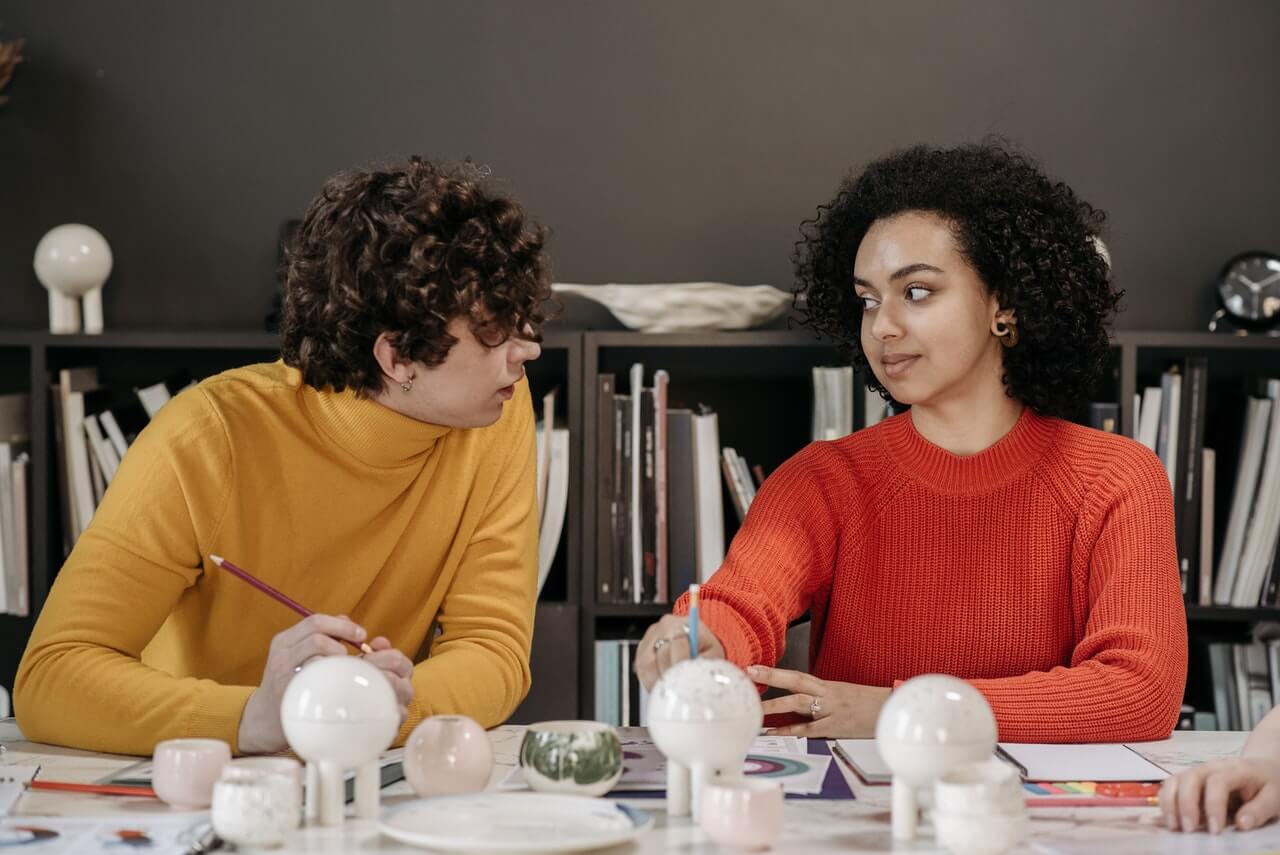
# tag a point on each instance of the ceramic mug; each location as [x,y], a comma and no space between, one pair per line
[252,768]
[989,786]
[742,812]
[448,755]
[578,757]
[255,808]
[185,770]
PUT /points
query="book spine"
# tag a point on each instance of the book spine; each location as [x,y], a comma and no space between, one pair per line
[649,497]
[605,495]
[660,484]
[637,483]
[622,505]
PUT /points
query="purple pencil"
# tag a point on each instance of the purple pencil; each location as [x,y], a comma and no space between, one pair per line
[274,594]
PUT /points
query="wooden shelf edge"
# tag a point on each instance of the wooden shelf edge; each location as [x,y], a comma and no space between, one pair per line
[1231,614]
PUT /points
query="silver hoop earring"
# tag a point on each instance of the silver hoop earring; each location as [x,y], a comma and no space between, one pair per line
[407,385]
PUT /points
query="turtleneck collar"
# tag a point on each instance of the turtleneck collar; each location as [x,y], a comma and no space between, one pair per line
[374,434]
[1028,440]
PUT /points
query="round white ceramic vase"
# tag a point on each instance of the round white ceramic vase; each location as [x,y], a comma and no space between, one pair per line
[930,725]
[72,262]
[340,713]
[703,716]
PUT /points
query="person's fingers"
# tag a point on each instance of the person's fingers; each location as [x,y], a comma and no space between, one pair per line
[676,650]
[1190,791]
[800,704]
[645,665]
[1169,802]
[1263,807]
[1218,787]
[392,661]
[311,647]
[380,643]
[781,678]
[403,689]
[806,728]
[330,625]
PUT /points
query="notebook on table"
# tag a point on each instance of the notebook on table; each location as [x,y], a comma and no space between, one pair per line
[1102,762]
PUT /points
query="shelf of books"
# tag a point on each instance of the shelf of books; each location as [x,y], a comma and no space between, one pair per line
[1209,406]
[679,433]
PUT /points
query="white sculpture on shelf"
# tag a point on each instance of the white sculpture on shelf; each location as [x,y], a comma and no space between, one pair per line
[930,725]
[685,306]
[340,713]
[73,262]
[703,716]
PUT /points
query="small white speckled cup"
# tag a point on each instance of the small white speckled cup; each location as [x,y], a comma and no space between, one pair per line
[255,811]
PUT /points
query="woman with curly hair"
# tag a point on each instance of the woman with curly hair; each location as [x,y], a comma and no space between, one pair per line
[382,473]
[979,534]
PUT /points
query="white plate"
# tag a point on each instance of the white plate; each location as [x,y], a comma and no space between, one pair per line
[513,822]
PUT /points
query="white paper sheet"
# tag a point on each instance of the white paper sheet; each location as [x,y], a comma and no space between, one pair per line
[1097,762]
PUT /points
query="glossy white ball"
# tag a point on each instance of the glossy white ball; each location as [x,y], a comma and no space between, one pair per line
[340,710]
[73,259]
[705,711]
[931,724]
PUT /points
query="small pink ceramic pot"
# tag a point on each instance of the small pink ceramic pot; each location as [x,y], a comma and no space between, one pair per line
[185,770]
[743,812]
[448,755]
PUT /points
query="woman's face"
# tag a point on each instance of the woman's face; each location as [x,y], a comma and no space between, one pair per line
[928,319]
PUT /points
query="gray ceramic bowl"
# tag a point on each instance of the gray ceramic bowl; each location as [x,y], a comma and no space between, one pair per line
[579,757]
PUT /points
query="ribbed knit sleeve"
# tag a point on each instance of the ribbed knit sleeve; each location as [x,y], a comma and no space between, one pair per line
[122,580]
[783,554]
[1127,672]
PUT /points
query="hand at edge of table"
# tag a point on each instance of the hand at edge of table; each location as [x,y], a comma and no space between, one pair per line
[1243,790]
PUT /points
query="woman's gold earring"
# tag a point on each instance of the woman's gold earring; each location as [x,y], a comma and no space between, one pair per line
[407,385]
[1007,332]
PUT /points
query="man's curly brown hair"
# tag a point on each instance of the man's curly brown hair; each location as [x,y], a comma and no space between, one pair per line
[405,250]
[1030,239]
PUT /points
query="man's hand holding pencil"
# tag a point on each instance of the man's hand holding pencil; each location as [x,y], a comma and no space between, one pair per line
[314,636]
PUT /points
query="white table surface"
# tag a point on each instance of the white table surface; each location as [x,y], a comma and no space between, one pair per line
[812,827]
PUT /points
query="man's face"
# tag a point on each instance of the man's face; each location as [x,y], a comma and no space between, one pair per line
[468,389]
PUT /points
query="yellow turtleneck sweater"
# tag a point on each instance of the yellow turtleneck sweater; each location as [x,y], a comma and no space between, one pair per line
[339,502]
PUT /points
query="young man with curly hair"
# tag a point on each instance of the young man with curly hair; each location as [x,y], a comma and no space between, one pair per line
[382,473]
[979,534]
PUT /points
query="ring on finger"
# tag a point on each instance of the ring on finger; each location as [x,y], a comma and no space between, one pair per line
[297,669]
[660,643]
[815,707]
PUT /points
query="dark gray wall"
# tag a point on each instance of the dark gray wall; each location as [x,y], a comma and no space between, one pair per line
[660,141]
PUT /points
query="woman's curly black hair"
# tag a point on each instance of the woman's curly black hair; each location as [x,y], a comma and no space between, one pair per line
[1031,240]
[405,250]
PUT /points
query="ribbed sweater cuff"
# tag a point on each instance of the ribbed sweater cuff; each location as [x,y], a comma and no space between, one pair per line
[217,713]
[729,626]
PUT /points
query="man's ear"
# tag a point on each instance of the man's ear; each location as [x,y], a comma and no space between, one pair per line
[394,367]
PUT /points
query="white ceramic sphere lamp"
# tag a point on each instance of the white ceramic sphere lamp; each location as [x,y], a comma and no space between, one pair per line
[703,716]
[929,725]
[340,713]
[73,262]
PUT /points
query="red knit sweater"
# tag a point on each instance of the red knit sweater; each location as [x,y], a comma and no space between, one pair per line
[1043,570]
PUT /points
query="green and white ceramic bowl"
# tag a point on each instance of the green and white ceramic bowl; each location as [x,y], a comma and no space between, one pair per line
[579,757]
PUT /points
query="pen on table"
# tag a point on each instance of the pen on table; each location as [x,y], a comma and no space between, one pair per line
[1008,758]
[693,620]
[1086,801]
[274,594]
[96,789]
